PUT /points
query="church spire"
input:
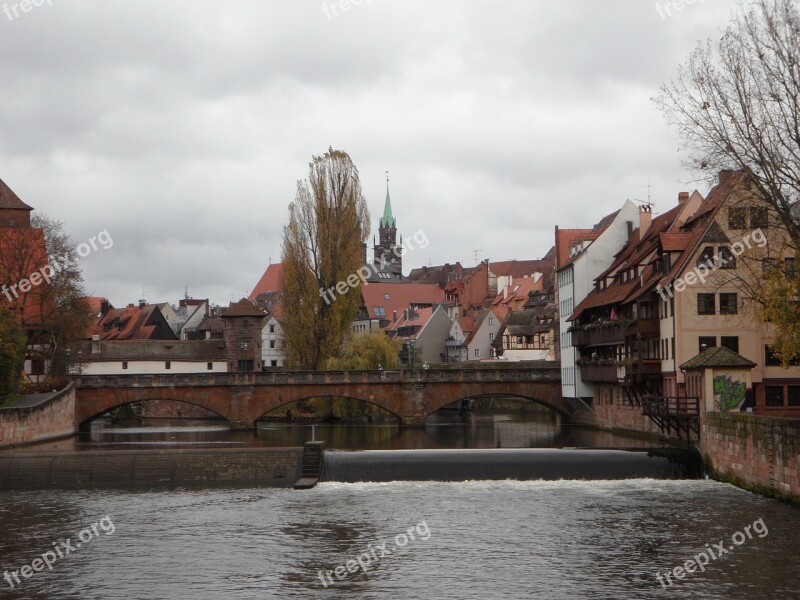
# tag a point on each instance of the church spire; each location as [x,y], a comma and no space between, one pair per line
[388,219]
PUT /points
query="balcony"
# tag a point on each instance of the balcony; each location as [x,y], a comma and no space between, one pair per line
[641,368]
[596,373]
[648,328]
[604,335]
[611,332]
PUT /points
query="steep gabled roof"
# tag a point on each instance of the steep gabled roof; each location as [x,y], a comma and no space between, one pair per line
[271,281]
[9,200]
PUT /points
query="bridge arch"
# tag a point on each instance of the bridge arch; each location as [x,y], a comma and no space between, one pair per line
[287,400]
[504,395]
[94,403]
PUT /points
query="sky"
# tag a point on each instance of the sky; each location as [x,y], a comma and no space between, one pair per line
[181,127]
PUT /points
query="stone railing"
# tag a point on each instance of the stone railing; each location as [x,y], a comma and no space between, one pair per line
[546,372]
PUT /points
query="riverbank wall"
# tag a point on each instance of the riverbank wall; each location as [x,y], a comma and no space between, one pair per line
[263,467]
[760,454]
[756,453]
[38,418]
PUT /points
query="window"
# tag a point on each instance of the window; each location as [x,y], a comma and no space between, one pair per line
[125,365]
[491,320]
[706,258]
[707,341]
[705,304]
[767,264]
[380,311]
[774,395]
[168,365]
[274,363]
[272,328]
[272,344]
[386,297]
[728,304]
[731,342]
[737,218]
[725,258]
[794,395]
[246,365]
[37,366]
[788,266]
[491,336]
[758,218]
[209,366]
[770,359]
[477,352]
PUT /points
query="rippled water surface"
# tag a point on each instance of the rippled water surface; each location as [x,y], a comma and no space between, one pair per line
[548,540]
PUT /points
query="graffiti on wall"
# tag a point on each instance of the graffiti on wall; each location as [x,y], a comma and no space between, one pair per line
[728,392]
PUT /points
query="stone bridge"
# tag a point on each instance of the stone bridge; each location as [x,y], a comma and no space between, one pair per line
[242,398]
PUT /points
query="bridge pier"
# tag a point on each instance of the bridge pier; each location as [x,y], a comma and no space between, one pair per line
[412,422]
[242,424]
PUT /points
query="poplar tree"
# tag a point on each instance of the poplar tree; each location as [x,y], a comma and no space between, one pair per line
[322,248]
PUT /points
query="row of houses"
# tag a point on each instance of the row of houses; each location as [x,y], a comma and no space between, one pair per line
[646,302]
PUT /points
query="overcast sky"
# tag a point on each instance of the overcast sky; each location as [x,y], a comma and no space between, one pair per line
[181,127]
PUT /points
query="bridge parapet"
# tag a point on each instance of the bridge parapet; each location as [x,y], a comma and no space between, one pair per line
[281,378]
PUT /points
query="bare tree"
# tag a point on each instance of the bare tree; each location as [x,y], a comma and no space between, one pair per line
[736,105]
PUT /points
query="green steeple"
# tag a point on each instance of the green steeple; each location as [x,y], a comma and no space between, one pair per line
[387,220]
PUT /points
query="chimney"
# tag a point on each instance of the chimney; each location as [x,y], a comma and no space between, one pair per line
[95,344]
[645,218]
[394,315]
[630,229]
[142,303]
[683,197]
[104,306]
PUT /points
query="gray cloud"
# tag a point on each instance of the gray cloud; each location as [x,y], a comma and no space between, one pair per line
[181,127]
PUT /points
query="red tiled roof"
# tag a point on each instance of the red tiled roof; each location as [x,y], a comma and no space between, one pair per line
[521,268]
[635,252]
[565,239]
[517,291]
[132,323]
[271,281]
[400,296]
[697,227]
[9,200]
[675,242]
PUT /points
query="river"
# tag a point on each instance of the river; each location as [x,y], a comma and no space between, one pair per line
[504,539]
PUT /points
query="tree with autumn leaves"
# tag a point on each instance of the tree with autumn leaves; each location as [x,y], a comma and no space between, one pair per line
[322,247]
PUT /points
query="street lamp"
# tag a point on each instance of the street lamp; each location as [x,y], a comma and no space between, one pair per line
[80,362]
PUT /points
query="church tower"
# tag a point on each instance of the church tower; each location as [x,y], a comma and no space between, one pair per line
[388,253]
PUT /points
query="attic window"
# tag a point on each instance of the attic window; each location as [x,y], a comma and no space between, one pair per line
[386,297]
[380,311]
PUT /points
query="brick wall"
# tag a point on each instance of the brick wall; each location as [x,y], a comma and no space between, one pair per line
[761,454]
[53,418]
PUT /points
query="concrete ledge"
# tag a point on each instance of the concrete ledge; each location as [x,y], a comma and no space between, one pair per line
[272,467]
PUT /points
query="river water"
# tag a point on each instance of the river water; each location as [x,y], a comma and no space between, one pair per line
[503,539]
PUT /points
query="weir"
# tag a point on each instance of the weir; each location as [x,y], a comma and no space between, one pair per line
[519,464]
